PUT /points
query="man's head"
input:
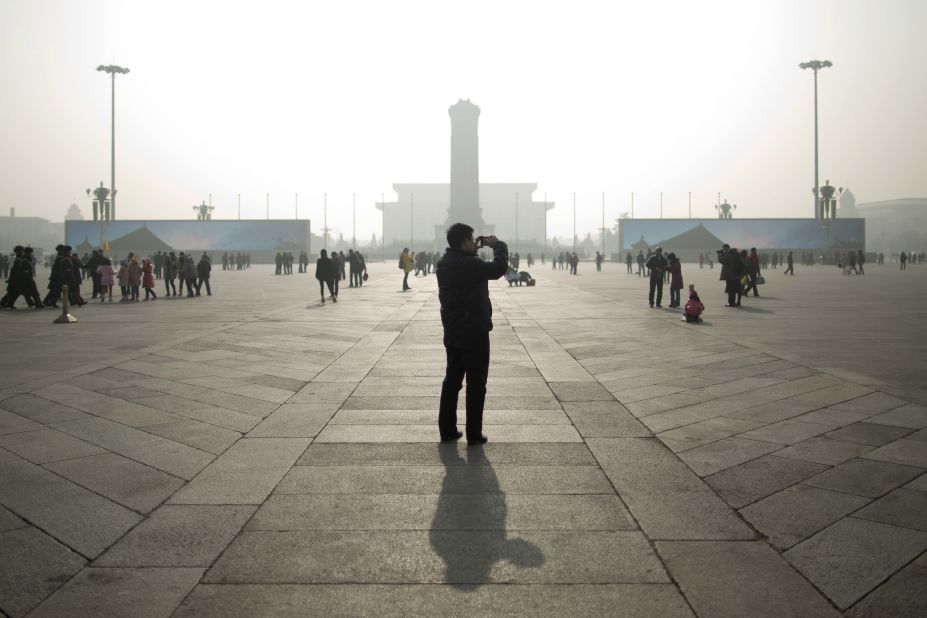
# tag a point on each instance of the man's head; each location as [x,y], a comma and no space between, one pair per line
[460,236]
[658,250]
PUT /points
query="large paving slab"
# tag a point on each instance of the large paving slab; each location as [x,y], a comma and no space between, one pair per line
[285,456]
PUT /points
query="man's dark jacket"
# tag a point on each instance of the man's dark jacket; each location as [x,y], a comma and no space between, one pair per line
[463,290]
[324,270]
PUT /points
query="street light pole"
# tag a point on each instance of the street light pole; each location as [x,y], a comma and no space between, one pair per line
[574,223]
[354,221]
[545,222]
[325,221]
[516,221]
[296,206]
[411,220]
[112,69]
[603,225]
[632,204]
[815,65]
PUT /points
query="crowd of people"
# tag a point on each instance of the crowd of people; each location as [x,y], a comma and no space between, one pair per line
[238,261]
[130,274]
[330,271]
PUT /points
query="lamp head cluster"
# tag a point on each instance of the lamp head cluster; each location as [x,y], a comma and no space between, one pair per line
[816,64]
[112,68]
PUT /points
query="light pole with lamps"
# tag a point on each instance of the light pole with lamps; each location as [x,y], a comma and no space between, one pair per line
[516,222]
[354,221]
[574,223]
[815,65]
[112,69]
[603,225]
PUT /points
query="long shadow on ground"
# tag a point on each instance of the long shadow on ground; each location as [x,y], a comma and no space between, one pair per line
[468,529]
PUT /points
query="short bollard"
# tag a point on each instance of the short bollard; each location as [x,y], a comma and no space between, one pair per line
[65,317]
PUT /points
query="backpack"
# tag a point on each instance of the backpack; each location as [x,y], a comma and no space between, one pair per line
[401,264]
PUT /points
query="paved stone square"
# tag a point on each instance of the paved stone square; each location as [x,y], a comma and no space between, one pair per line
[257,453]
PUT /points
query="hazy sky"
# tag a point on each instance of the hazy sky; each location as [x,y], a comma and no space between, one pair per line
[339,97]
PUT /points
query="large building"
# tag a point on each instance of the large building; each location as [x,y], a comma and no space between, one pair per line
[422,211]
[419,215]
[37,232]
[891,225]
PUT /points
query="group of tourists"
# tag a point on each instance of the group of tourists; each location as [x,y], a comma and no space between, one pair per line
[238,261]
[283,262]
[566,259]
[131,274]
[330,271]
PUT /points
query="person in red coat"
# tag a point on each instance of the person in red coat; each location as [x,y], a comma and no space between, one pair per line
[148,280]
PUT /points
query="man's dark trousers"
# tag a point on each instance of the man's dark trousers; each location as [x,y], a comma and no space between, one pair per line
[656,284]
[472,361]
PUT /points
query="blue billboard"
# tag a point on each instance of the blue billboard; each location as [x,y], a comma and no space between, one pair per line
[149,236]
[710,234]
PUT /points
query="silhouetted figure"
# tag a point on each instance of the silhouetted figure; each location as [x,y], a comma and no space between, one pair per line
[656,265]
[466,315]
[325,274]
[732,269]
[790,260]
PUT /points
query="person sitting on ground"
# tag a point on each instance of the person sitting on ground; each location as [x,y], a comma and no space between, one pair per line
[694,307]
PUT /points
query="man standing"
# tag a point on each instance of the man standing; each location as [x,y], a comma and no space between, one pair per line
[405,263]
[466,315]
[732,268]
[203,270]
[790,260]
[656,266]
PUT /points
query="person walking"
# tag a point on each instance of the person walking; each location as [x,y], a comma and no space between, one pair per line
[466,316]
[860,260]
[675,271]
[325,275]
[203,270]
[170,273]
[656,265]
[753,272]
[790,261]
[134,278]
[107,279]
[640,263]
[630,262]
[188,275]
[148,279]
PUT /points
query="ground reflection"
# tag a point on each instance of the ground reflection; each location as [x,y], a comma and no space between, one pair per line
[468,529]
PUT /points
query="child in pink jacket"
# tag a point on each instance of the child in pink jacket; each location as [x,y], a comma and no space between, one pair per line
[694,307]
[107,277]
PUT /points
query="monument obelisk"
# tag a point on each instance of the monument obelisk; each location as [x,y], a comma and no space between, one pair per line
[465,167]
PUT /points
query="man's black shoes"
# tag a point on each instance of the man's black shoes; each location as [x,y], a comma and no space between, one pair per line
[458,435]
[478,441]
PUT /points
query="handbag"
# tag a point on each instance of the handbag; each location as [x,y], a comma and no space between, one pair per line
[365,276]
[760,280]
